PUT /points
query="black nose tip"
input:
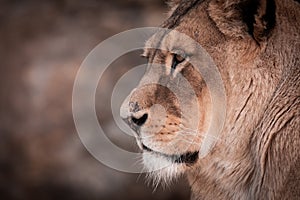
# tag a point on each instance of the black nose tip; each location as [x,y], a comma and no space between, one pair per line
[140,121]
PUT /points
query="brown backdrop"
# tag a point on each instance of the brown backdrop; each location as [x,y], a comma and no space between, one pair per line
[42,44]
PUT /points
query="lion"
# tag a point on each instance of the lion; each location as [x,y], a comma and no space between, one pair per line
[255,46]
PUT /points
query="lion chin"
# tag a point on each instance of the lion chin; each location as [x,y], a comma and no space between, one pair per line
[163,168]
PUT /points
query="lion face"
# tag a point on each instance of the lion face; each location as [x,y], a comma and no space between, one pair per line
[171,109]
[169,117]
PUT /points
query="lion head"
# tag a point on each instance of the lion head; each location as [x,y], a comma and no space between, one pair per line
[255,48]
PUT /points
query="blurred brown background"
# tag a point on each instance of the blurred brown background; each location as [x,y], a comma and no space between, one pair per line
[42,44]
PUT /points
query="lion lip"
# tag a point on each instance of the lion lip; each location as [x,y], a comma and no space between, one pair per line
[187,158]
[146,148]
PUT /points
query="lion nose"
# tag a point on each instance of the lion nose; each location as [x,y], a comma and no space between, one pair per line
[139,121]
[135,121]
[133,114]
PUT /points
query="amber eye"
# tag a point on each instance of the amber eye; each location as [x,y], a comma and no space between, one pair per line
[177,59]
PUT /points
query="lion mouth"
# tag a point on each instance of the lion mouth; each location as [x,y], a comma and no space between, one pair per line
[187,158]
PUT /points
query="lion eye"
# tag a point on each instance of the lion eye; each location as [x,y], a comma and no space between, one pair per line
[177,59]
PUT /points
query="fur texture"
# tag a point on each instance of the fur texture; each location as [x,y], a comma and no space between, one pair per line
[255,45]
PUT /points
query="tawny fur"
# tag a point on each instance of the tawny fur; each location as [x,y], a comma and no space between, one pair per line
[258,154]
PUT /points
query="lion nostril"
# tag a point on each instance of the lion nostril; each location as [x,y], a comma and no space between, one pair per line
[140,121]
